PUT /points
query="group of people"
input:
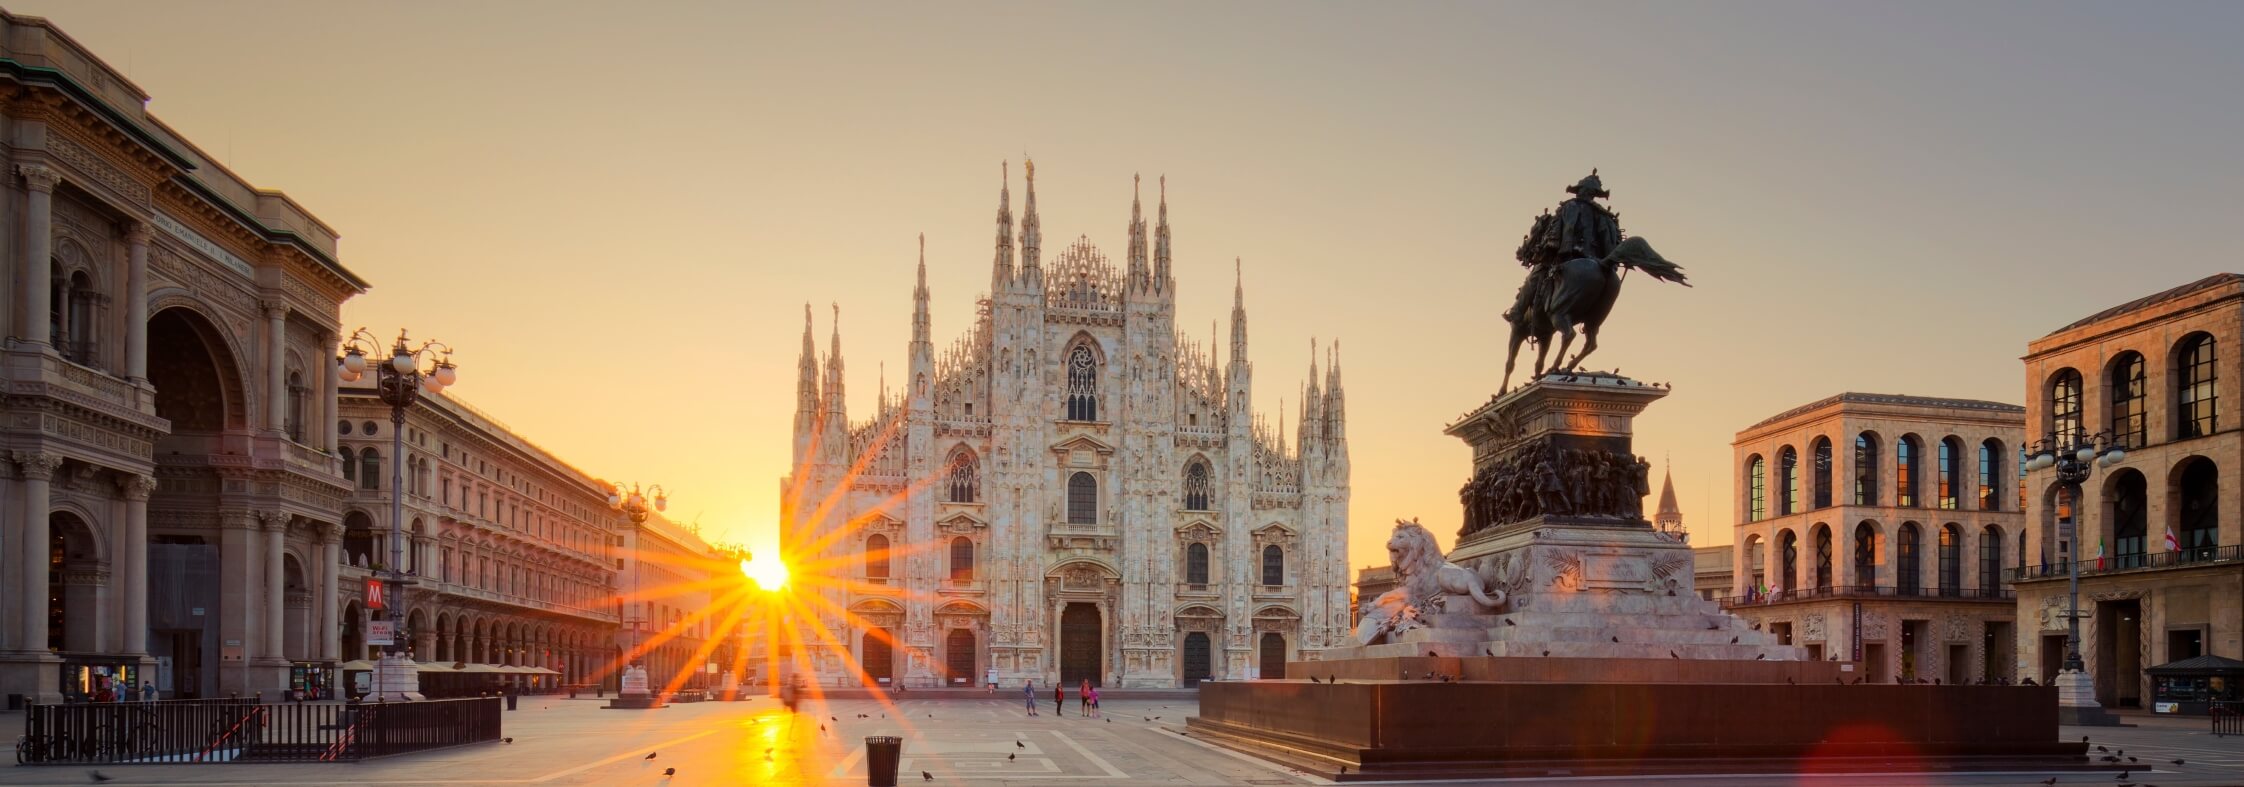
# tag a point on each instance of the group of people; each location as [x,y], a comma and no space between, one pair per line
[1087,704]
[1542,479]
[107,691]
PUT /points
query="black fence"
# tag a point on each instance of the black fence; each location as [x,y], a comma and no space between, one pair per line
[1869,591]
[200,731]
[2228,718]
[2133,561]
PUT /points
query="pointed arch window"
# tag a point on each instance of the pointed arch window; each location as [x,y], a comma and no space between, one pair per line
[1866,469]
[1273,565]
[2128,389]
[1756,489]
[1082,499]
[1082,385]
[1788,481]
[2194,409]
[1196,564]
[962,559]
[876,556]
[1196,486]
[1822,458]
[965,477]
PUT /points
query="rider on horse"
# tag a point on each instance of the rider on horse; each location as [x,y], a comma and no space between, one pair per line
[1581,228]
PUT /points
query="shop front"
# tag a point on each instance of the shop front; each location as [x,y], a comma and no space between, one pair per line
[99,679]
[311,680]
[2189,687]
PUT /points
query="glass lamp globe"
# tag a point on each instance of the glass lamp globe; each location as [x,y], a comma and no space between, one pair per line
[615,500]
[2115,456]
[2086,454]
[345,374]
[446,373]
[662,503]
[402,363]
[431,385]
[354,361]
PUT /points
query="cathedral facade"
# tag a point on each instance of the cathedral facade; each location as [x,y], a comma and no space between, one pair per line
[1072,490]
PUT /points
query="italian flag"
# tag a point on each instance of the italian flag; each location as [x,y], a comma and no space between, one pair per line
[2099,553]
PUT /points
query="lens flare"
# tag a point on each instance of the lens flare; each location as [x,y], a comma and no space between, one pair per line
[767,572]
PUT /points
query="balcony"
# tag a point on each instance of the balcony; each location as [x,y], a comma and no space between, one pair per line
[2121,564]
[960,587]
[1102,537]
[2004,595]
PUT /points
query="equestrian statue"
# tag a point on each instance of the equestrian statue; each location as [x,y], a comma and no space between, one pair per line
[1574,259]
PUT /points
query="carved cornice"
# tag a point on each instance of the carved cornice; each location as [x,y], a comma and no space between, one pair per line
[37,465]
[136,487]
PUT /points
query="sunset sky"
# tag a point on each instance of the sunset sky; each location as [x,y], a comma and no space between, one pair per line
[616,211]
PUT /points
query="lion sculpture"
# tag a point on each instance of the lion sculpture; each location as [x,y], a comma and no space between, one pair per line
[1424,581]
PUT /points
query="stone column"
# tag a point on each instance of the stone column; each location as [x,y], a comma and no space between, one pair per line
[36,298]
[38,469]
[276,365]
[330,406]
[136,303]
[276,585]
[132,562]
[329,618]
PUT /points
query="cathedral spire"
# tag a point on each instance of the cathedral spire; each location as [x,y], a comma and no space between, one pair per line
[1139,277]
[1032,236]
[921,332]
[1336,403]
[806,395]
[1312,403]
[1001,273]
[1670,516]
[1238,312]
[1161,279]
[834,397]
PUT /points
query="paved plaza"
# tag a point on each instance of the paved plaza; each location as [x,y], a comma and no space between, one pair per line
[968,742]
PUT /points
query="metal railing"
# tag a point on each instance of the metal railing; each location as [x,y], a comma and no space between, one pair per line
[209,731]
[1870,591]
[2187,558]
[2228,718]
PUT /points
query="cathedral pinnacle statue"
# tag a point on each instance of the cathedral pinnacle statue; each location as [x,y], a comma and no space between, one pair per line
[1574,257]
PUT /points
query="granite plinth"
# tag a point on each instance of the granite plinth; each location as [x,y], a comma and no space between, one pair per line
[1421,729]
[636,702]
[1561,669]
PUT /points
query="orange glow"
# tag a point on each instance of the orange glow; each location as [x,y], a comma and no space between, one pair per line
[769,573]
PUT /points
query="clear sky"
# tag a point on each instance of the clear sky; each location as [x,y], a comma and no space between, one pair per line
[616,211]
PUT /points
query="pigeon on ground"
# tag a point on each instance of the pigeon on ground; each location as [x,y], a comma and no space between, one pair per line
[506,740]
[1790,682]
[1009,757]
[1332,679]
[1840,681]
[2102,749]
[1616,638]
[1507,622]
[99,776]
[1546,653]
[1343,769]
[821,729]
[669,771]
[926,777]
[1110,721]
[2050,780]
[650,755]
[1488,653]
[1733,640]
[1671,654]
[2122,775]
[1756,627]
[2178,762]
[1019,745]
[1429,654]
[1313,679]
[1760,657]
[1713,626]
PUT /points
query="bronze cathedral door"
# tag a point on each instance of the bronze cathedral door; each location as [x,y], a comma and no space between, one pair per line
[1079,645]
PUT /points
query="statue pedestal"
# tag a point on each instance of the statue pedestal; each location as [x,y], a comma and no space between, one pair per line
[634,694]
[396,679]
[2076,701]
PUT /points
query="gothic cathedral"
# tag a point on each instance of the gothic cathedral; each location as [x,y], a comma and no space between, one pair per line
[1072,491]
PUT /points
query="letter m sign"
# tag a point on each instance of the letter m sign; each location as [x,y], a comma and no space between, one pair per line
[375,599]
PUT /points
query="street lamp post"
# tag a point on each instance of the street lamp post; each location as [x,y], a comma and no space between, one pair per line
[637,505]
[399,381]
[2075,456]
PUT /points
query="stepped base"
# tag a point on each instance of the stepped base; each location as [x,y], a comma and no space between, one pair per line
[1424,730]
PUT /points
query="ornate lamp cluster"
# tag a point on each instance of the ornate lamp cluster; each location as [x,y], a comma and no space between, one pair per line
[400,383]
[2075,456]
[635,505]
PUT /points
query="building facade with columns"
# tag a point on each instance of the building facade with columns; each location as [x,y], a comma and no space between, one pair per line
[1875,528]
[170,483]
[2161,569]
[513,551]
[1072,490]
[667,591]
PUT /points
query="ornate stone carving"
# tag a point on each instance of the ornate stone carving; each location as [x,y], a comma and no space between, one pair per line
[1873,626]
[1812,629]
[77,156]
[135,486]
[1566,569]
[38,465]
[1424,581]
[39,177]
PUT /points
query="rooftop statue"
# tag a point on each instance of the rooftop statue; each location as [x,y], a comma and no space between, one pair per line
[1573,258]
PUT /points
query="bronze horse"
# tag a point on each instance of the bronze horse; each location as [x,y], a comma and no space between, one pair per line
[1581,292]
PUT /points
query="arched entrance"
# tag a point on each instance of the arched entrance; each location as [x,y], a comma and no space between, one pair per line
[73,607]
[1080,647]
[1199,663]
[1273,652]
[958,656]
[877,656]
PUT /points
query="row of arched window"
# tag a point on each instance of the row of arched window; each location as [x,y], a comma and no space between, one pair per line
[2192,515]
[1907,553]
[2195,394]
[963,485]
[961,558]
[1196,564]
[1948,489]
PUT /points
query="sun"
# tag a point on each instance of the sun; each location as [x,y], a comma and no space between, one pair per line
[767,573]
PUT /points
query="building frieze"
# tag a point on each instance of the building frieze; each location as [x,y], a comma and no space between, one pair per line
[122,185]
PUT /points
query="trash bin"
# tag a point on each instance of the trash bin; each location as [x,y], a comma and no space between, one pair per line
[511,697]
[881,755]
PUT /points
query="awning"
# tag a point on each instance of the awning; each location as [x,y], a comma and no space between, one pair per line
[542,671]
[432,666]
[482,668]
[360,664]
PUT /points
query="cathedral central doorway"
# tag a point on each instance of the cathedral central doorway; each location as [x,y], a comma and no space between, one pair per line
[878,657]
[1198,662]
[1079,645]
[958,657]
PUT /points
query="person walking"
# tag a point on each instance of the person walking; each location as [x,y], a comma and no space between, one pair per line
[147,692]
[1028,695]
[1059,699]
[1091,700]
[990,677]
